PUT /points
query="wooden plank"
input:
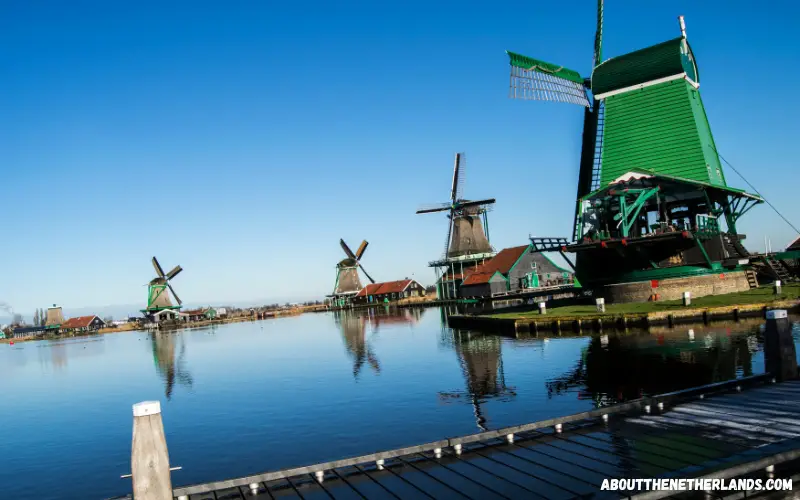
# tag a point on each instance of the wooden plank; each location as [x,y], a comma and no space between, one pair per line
[743,421]
[309,469]
[717,420]
[732,472]
[548,473]
[748,415]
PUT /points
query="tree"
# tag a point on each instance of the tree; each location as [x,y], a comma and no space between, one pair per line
[108,320]
[42,317]
[36,317]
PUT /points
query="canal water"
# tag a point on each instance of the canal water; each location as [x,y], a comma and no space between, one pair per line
[245,398]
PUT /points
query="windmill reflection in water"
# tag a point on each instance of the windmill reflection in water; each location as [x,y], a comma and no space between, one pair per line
[355,327]
[481,362]
[170,367]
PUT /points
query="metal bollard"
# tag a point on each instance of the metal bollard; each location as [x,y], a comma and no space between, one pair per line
[777,287]
[542,308]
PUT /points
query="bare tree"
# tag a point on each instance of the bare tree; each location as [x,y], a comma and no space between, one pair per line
[36,317]
[42,317]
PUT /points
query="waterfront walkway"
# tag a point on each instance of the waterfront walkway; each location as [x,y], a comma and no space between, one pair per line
[728,430]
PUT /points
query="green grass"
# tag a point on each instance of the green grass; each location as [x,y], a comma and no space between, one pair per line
[755,296]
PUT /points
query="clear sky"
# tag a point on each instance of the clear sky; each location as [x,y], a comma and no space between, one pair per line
[241,140]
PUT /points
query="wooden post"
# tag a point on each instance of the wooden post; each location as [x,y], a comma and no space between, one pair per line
[780,357]
[149,456]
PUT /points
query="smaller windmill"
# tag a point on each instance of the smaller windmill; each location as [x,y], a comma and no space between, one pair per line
[347,280]
[467,242]
[467,230]
[157,296]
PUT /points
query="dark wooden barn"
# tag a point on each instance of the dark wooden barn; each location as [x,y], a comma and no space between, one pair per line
[512,270]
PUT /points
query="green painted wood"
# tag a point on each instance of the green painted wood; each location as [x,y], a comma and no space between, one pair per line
[532,64]
[663,129]
[668,58]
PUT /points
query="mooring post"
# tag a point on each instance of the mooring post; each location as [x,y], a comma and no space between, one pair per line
[601,304]
[149,456]
[542,308]
[780,357]
[777,287]
[687,298]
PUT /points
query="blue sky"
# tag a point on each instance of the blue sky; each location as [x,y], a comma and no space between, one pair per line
[243,139]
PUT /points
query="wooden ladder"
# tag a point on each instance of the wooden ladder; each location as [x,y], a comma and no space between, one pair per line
[752,280]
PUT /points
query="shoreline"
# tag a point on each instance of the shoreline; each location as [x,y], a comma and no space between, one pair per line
[133,327]
[751,304]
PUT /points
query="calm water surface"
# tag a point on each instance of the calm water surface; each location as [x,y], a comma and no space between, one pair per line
[249,397]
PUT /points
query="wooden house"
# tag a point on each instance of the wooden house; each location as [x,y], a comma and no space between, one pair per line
[82,324]
[22,332]
[389,291]
[513,270]
[194,315]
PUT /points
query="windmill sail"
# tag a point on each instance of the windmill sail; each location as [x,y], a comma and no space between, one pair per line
[532,79]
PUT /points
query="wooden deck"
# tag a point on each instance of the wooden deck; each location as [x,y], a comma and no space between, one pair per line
[728,430]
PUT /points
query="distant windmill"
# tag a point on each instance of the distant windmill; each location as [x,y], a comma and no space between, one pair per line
[157,296]
[347,280]
[467,234]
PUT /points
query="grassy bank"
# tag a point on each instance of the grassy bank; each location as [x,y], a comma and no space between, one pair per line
[762,295]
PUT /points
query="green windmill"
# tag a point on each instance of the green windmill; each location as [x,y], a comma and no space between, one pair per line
[158,298]
[652,202]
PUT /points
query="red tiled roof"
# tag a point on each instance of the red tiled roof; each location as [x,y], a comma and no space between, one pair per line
[79,322]
[477,278]
[370,289]
[384,288]
[503,262]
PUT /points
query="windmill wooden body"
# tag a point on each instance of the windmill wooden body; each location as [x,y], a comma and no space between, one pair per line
[348,282]
[158,294]
[467,242]
[654,214]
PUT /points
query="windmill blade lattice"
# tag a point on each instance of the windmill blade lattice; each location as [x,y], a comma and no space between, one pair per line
[157,266]
[441,207]
[459,174]
[175,271]
[177,299]
[532,79]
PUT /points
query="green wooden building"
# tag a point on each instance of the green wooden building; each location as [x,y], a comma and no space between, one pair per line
[652,202]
